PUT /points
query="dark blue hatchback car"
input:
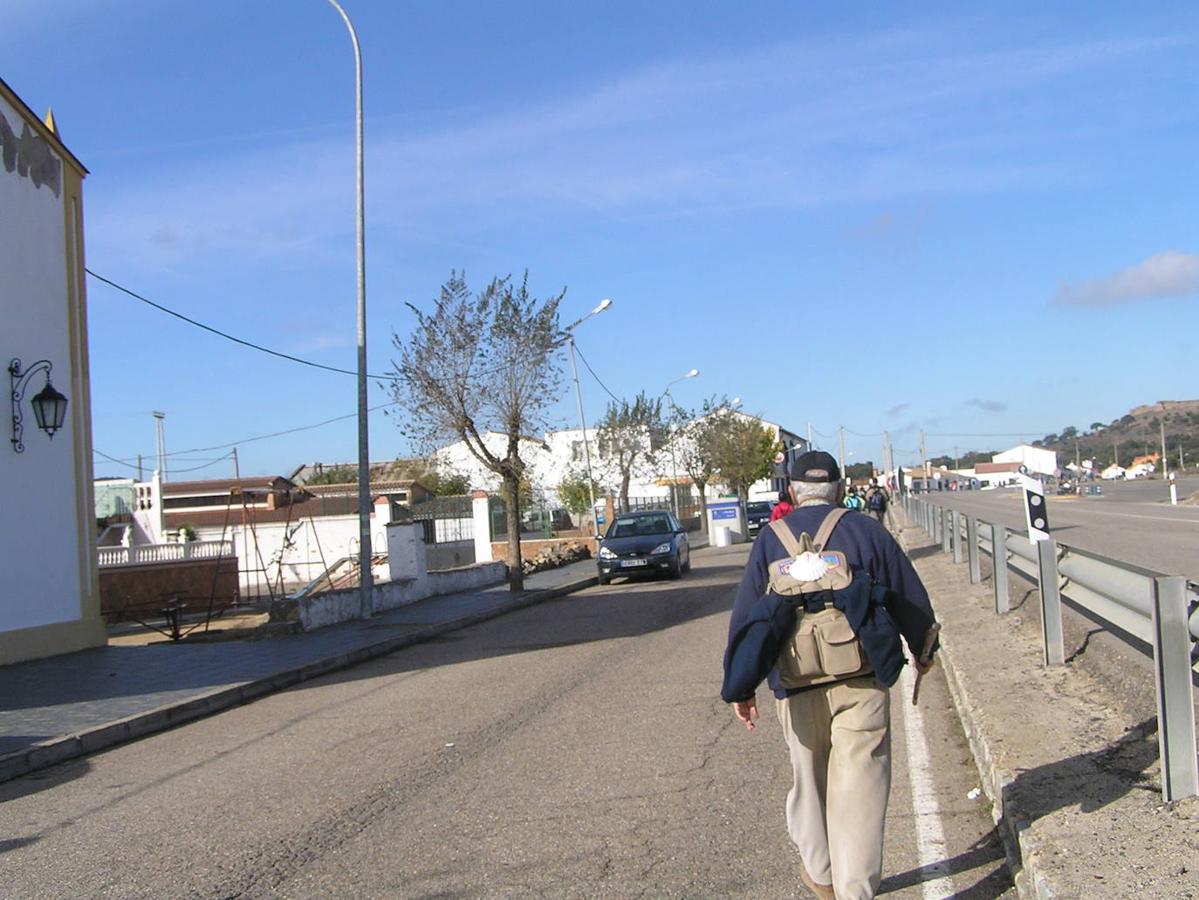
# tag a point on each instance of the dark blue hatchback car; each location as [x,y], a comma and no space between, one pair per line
[644,542]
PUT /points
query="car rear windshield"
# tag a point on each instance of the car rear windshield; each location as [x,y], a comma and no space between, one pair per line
[762,507]
[633,526]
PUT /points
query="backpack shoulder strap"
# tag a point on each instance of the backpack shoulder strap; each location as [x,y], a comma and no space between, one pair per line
[786,537]
[827,526]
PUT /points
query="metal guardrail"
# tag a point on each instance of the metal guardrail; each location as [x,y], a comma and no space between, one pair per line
[143,554]
[1161,610]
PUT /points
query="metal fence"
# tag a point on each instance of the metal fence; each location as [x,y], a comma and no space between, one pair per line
[1160,610]
[443,520]
[689,510]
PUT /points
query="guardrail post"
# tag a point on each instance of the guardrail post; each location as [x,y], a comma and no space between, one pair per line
[1051,603]
[956,523]
[972,549]
[999,568]
[945,526]
[1175,705]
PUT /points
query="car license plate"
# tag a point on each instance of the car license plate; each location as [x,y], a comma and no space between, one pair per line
[630,563]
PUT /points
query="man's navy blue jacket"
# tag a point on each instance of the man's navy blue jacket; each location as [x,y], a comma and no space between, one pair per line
[867,545]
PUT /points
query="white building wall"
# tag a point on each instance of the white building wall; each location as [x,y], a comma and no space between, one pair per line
[42,577]
[1039,460]
[312,543]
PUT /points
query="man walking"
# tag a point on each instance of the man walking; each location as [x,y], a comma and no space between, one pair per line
[877,500]
[838,732]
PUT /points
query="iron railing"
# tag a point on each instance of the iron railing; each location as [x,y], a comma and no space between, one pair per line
[148,554]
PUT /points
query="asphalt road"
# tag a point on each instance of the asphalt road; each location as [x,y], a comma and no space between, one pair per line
[1130,522]
[575,749]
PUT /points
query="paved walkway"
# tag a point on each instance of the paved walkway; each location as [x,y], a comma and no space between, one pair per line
[60,707]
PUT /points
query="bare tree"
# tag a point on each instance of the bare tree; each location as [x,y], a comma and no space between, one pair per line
[482,364]
[629,432]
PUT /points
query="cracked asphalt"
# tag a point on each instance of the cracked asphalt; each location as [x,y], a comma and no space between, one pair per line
[578,748]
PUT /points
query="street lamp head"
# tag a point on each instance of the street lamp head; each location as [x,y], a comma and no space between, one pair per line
[692,373]
[736,401]
[603,304]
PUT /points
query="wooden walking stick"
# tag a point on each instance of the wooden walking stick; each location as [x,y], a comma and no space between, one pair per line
[926,653]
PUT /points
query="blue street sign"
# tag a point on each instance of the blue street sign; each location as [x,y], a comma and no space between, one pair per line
[729,513]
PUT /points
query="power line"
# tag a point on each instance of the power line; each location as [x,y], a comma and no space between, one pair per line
[249,440]
[987,434]
[593,375]
[121,462]
[229,337]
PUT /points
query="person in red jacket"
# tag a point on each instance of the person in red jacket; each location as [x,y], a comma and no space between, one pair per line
[782,507]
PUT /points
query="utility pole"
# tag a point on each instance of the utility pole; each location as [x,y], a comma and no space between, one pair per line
[141,478]
[1165,463]
[923,454]
[887,462]
[162,444]
[841,442]
[236,472]
[809,435]
[1115,453]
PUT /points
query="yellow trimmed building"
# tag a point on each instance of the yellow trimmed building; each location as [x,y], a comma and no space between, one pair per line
[49,590]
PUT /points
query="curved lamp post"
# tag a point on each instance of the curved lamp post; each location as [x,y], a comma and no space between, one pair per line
[49,406]
[366,579]
[570,340]
[674,473]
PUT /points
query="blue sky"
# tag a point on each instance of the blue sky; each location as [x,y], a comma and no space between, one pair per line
[943,217]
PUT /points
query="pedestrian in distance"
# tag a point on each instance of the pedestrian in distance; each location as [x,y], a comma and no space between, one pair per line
[852,499]
[782,507]
[877,500]
[835,718]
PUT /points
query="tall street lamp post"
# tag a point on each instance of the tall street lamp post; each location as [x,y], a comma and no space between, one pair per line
[366,579]
[674,473]
[574,369]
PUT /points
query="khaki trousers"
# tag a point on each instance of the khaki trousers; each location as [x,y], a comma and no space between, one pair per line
[839,738]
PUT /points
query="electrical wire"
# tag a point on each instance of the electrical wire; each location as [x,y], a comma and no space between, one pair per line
[229,337]
[593,375]
[211,462]
[987,434]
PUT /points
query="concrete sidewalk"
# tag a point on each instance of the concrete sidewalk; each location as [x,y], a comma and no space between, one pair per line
[66,706]
[1072,775]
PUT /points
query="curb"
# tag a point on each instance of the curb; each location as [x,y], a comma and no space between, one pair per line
[1021,848]
[51,752]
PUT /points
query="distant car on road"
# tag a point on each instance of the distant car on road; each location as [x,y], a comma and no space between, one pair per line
[1066,486]
[757,514]
[649,541]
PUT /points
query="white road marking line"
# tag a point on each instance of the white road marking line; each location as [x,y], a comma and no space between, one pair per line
[930,836]
[1159,518]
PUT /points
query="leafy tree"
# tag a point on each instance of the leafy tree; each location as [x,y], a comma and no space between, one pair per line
[478,364]
[860,471]
[574,493]
[1096,426]
[698,445]
[445,482]
[745,452]
[335,475]
[630,432]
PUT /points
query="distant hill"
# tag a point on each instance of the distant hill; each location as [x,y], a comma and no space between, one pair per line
[1135,434]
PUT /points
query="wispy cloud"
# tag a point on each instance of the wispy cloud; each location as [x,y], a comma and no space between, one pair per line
[990,406]
[1168,274]
[898,409]
[863,119]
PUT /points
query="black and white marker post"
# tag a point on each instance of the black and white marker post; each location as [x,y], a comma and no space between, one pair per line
[1036,517]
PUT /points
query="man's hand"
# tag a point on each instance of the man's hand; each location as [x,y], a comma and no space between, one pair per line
[923,668]
[746,712]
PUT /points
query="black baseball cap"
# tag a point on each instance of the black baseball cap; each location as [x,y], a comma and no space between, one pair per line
[815,466]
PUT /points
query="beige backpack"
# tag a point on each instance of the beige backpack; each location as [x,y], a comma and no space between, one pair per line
[824,648]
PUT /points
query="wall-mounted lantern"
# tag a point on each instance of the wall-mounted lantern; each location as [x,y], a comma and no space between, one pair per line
[49,406]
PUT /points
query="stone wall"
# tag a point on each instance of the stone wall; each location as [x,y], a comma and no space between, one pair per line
[137,592]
